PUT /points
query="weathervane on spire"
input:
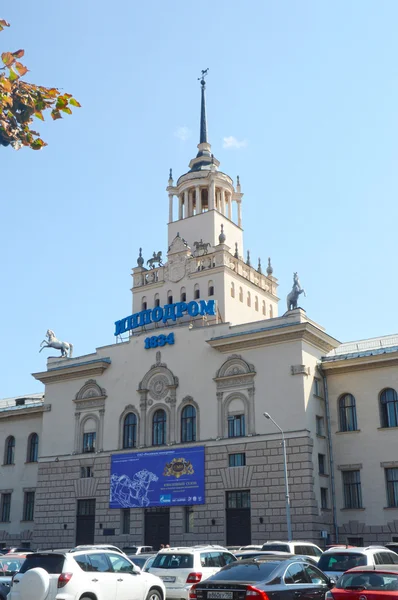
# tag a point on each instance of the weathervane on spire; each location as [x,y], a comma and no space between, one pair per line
[202,78]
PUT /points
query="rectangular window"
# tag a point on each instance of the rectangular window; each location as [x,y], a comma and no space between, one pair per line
[125,520]
[320,429]
[318,388]
[5,507]
[29,506]
[236,425]
[321,464]
[237,460]
[392,487]
[238,499]
[86,472]
[189,519]
[352,489]
[355,541]
[89,441]
[324,497]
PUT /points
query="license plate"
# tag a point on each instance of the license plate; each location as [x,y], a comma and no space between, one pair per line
[168,579]
[220,595]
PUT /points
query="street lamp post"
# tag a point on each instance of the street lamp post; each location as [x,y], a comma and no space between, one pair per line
[287,496]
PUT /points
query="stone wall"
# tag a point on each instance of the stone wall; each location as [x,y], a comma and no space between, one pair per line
[60,486]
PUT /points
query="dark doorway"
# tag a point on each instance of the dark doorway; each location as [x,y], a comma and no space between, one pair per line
[85,522]
[157,527]
[238,518]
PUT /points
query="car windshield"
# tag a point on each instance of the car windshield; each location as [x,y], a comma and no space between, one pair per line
[173,561]
[9,565]
[246,571]
[341,561]
[384,582]
[276,547]
[52,563]
[138,560]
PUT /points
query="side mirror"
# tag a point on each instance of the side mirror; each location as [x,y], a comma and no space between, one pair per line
[331,583]
[136,569]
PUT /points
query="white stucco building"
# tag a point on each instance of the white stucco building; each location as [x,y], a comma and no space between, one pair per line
[202,356]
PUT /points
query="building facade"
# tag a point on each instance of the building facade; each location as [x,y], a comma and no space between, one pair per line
[201,358]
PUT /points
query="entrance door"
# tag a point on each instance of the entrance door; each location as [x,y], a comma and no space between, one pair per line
[157,527]
[238,518]
[85,522]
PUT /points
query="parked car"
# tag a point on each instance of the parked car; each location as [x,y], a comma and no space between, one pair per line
[392,546]
[250,548]
[180,568]
[138,550]
[264,554]
[13,549]
[274,577]
[149,563]
[10,564]
[378,582]
[83,574]
[301,548]
[99,547]
[140,559]
[336,561]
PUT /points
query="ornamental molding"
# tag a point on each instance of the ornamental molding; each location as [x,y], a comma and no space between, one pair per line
[96,403]
[300,370]
[346,365]
[90,389]
[233,367]
[25,412]
[73,371]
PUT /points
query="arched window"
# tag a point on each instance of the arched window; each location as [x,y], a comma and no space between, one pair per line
[211,288]
[183,295]
[169,297]
[256,303]
[157,300]
[196,291]
[89,435]
[188,424]
[389,408]
[144,303]
[347,413]
[264,312]
[271,311]
[159,428]
[249,299]
[232,290]
[240,294]
[9,454]
[33,448]
[130,431]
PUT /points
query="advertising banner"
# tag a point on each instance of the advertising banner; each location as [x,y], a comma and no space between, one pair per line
[174,477]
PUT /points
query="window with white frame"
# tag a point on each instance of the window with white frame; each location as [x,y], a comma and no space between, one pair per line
[89,435]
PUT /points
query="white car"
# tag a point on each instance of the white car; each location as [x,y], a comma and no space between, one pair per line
[180,568]
[83,575]
[301,548]
[335,561]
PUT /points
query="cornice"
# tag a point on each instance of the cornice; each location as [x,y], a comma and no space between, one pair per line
[73,371]
[361,363]
[25,412]
[266,337]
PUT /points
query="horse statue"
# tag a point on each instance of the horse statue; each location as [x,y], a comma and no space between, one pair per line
[52,342]
[201,247]
[292,298]
[156,258]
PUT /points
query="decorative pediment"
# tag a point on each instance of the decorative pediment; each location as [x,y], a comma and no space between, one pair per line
[235,365]
[179,245]
[158,381]
[90,389]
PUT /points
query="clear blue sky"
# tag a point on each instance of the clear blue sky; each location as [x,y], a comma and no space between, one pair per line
[311,88]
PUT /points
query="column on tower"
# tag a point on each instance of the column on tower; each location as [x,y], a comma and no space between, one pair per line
[186,211]
[170,208]
[212,194]
[180,206]
[198,200]
[222,207]
[229,204]
[239,214]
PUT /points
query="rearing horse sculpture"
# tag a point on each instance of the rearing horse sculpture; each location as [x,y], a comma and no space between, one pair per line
[292,298]
[52,342]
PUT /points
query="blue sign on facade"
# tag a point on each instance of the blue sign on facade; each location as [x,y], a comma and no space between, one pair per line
[164,478]
[169,312]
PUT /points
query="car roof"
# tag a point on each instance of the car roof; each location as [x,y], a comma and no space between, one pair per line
[191,549]
[290,542]
[376,568]
[15,555]
[355,549]
[263,553]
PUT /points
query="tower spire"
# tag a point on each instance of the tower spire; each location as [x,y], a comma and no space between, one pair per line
[203,119]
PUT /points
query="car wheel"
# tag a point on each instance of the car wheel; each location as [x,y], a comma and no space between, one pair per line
[154,595]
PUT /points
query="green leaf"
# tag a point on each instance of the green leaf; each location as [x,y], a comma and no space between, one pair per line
[38,144]
[39,115]
[61,102]
[67,110]
[74,102]
[13,76]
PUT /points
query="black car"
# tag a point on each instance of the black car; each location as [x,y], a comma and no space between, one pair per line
[271,578]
